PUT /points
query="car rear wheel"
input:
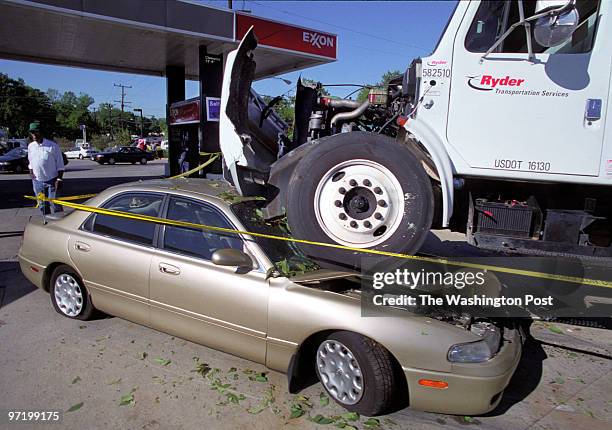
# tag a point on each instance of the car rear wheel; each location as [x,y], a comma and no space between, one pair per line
[80,156]
[358,373]
[143,160]
[68,294]
[111,160]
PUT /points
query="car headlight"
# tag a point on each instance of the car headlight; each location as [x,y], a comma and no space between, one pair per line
[473,352]
[481,350]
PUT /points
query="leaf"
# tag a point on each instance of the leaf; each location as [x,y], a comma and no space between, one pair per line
[75,407]
[372,423]
[555,329]
[467,419]
[559,380]
[162,361]
[323,399]
[142,355]
[77,379]
[115,382]
[296,411]
[202,369]
[232,370]
[301,398]
[320,419]
[127,399]
[260,377]
[351,416]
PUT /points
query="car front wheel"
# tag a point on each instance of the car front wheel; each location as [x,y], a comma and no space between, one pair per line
[80,156]
[358,373]
[111,160]
[68,294]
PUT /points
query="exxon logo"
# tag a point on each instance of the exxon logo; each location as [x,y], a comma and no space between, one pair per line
[318,40]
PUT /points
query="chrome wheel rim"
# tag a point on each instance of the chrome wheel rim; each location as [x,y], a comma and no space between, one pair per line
[68,295]
[339,372]
[359,203]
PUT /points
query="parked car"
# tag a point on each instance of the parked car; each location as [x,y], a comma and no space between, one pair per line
[81,153]
[124,154]
[260,299]
[15,160]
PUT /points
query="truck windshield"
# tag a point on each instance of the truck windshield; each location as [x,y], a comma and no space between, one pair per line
[286,256]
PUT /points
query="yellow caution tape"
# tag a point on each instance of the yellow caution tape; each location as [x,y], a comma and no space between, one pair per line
[213,157]
[520,272]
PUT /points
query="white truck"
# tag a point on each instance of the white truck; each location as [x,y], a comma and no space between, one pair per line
[499,133]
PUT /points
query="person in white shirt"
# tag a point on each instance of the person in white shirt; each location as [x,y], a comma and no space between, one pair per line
[46,166]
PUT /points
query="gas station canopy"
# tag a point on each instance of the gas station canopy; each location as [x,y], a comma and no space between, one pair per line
[144,36]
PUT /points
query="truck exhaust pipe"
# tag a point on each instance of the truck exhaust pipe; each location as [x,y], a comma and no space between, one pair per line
[345,116]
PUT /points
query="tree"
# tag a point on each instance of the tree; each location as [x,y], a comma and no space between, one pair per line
[21,104]
[72,111]
[362,95]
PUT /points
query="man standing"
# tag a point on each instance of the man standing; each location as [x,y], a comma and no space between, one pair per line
[46,167]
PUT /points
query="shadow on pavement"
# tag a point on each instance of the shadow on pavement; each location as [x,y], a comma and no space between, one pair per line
[527,376]
[14,285]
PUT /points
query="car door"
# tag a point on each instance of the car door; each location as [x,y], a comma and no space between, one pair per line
[113,255]
[195,299]
[510,113]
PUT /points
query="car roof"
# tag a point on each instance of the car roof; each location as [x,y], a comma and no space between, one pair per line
[222,192]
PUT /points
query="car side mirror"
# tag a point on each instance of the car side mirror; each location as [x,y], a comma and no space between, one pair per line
[232,257]
[555,29]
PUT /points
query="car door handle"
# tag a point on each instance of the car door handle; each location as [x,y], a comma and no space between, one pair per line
[80,246]
[169,269]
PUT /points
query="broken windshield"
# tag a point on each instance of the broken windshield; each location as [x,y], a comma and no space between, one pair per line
[286,256]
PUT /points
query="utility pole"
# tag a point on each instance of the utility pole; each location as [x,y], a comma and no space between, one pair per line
[122,101]
[141,121]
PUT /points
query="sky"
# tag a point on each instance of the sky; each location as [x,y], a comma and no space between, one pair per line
[373,37]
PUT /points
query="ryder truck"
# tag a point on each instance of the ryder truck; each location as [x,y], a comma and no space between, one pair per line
[500,133]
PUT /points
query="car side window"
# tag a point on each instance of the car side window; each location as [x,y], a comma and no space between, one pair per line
[197,242]
[129,230]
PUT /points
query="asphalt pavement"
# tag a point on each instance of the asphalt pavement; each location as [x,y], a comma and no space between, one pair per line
[110,373]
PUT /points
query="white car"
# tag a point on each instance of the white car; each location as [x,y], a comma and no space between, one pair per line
[81,153]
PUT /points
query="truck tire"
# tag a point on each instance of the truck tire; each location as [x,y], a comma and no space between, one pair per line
[360,190]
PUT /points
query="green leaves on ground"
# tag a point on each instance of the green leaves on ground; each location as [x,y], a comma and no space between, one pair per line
[351,416]
[128,399]
[320,419]
[202,369]
[555,329]
[75,407]
[142,355]
[259,377]
[372,423]
[323,399]
[77,379]
[162,361]
[296,411]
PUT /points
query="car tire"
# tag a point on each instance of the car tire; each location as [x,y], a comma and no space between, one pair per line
[143,160]
[19,169]
[69,296]
[396,201]
[345,356]
[111,160]
[80,156]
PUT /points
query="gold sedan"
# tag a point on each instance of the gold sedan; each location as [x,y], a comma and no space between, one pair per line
[259,299]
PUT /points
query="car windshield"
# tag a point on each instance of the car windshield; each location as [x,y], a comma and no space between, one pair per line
[286,256]
[16,152]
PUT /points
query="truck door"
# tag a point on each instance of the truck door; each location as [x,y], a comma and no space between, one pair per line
[509,113]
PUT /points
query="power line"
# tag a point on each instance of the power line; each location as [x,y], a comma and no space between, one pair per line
[344,28]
